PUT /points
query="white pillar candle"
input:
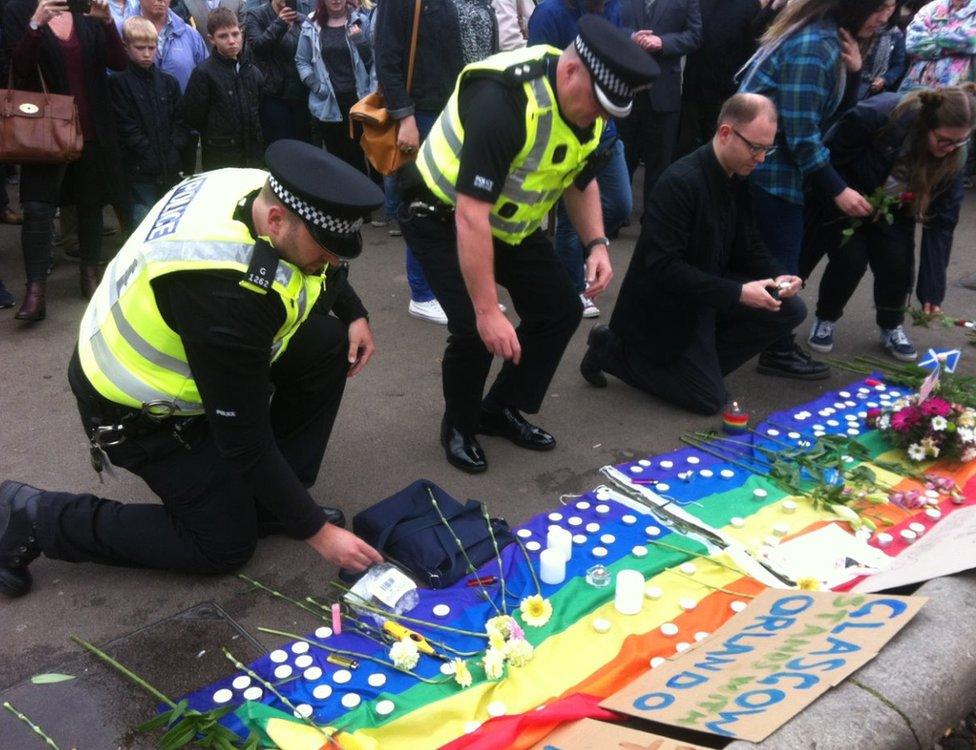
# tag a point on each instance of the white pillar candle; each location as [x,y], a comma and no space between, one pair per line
[561,540]
[552,566]
[629,594]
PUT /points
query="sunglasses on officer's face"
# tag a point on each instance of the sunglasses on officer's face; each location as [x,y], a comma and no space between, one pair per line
[756,149]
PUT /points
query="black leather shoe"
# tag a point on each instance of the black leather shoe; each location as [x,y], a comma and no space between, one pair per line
[274,527]
[18,536]
[462,451]
[509,424]
[590,366]
[794,363]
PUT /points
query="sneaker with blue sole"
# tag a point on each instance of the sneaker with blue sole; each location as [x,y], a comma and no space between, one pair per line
[896,343]
[6,298]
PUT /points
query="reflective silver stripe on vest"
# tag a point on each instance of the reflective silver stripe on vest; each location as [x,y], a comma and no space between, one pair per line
[452,133]
[125,382]
[136,341]
[440,179]
[199,250]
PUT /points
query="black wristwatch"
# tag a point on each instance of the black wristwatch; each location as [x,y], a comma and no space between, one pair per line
[598,241]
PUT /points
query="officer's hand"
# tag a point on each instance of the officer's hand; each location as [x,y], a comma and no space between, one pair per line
[598,271]
[343,548]
[795,283]
[499,335]
[361,346]
[754,294]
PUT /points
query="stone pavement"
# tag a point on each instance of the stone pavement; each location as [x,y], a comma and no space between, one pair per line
[385,437]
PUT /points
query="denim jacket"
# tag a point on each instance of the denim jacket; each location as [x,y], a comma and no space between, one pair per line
[322,101]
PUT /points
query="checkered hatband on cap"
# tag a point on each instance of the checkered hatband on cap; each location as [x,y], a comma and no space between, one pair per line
[605,78]
[332,224]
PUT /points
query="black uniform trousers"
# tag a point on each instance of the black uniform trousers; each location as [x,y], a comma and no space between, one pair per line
[723,342]
[208,521]
[546,302]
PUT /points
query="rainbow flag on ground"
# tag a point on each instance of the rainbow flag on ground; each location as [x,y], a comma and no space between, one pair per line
[574,666]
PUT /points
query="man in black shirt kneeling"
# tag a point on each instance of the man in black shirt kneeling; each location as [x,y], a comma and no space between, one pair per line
[702,294]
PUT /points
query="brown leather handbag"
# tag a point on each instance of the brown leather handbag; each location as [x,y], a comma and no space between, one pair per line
[38,127]
[379,138]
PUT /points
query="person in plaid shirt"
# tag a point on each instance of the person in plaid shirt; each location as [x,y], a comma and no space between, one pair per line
[808,64]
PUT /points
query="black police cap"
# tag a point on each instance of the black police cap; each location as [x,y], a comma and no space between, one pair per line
[331,197]
[618,65]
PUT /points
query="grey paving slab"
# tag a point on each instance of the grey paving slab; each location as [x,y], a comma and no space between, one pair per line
[99,708]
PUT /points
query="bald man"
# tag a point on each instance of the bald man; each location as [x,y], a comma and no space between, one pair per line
[702,294]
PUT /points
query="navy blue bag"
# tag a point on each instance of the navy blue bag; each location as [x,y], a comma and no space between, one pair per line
[406,528]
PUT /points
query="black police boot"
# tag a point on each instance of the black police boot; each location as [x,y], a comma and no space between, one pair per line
[590,367]
[509,424]
[18,536]
[462,451]
[792,363]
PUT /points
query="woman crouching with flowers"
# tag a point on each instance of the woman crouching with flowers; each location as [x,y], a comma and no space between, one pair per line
[906,152]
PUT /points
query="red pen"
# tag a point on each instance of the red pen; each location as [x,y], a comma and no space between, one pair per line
[483,581]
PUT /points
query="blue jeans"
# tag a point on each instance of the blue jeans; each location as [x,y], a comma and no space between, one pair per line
[420,290]
[391,194]
[616,200]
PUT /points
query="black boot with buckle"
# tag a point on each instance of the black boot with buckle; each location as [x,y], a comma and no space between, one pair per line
[18,536]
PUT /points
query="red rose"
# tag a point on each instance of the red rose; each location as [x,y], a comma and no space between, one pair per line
[873,415]
[907,197]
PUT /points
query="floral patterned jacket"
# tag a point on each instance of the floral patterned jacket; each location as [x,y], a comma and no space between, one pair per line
[941,42]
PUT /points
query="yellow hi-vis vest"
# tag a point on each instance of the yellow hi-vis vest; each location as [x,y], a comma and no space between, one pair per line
[127,351]
[547,163]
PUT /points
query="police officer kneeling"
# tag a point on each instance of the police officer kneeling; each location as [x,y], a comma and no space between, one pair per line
[208,364]
[519,131]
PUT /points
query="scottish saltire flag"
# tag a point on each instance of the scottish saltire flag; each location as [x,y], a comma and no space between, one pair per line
[947,359]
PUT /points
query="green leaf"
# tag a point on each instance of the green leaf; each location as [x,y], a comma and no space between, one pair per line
[50,678]
[179,735]
[155,722]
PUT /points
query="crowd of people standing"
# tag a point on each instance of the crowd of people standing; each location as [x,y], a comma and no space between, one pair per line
[161,83]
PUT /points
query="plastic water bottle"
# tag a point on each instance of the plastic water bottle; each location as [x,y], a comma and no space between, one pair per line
[384,587]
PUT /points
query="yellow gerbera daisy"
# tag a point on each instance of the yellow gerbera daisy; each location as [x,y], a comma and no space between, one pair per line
[808,584]
[535,610]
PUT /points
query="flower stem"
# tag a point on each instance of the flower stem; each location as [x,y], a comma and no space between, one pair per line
[395,617]
[712,560]
[464,553]
[279,595]
[353,654]
[498,555]
[528,561]
[710,586]
[161,697]
[34,728]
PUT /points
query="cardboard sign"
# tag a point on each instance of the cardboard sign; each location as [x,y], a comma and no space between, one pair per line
[589,734]
[768,662]
[946,548]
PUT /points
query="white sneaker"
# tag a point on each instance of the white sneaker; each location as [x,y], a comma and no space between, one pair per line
[589,309]
[430,310]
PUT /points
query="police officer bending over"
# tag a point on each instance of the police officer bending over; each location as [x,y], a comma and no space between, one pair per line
[520,128]
[208,364]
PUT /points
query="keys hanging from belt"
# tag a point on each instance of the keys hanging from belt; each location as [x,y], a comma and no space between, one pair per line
[101,437]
